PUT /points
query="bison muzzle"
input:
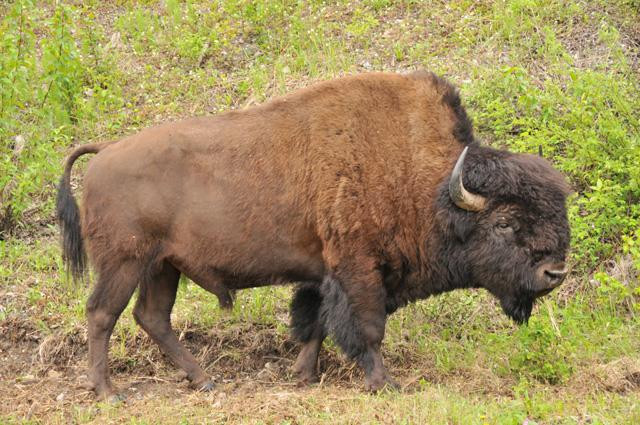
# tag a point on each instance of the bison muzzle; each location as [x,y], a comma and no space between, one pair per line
[370,191]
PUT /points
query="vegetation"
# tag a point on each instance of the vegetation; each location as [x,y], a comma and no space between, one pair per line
[563,75]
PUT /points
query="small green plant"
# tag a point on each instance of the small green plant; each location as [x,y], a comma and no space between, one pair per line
[542,353]
[616,294]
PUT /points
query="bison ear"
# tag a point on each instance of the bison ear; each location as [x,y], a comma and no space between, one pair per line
[455,224]
[462,227]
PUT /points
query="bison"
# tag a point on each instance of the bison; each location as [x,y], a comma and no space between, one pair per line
[369,191]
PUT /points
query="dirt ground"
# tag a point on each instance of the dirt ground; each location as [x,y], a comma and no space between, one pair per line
[41,378]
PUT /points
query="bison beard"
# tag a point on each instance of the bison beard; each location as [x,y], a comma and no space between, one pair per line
[359,187]
[519,307]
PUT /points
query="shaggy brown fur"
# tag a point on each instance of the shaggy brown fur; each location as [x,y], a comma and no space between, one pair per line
[338,185]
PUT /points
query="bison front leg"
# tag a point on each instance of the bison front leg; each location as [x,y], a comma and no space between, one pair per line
[307,329]
[353,312]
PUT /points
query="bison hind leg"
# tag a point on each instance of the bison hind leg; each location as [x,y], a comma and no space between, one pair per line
[307,328]
[110,296]
[153,312]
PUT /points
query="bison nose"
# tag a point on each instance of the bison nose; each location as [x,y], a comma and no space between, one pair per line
[555,276]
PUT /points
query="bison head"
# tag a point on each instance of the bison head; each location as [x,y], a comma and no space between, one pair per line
[505,224]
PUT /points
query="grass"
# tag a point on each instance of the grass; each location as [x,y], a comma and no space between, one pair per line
[563,75]
[431,405]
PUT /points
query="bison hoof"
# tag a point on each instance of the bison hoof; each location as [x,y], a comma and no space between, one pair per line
[104,391]
[305,378]
[376,384]
[204,386]
[115,398]
[87,385]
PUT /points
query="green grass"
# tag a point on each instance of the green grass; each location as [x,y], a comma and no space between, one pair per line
[563,75]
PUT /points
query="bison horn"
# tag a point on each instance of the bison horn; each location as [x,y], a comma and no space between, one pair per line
[459,195]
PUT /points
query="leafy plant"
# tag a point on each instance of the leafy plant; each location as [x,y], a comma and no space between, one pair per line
[50,86]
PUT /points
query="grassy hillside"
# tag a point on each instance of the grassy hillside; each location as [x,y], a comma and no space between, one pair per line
[561,74]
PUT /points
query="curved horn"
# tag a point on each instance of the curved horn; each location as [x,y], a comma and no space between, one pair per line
[459,195]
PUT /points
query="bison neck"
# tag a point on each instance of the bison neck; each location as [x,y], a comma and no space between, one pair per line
[437,267]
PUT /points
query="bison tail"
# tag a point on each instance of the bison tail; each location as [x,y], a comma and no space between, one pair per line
[68,216]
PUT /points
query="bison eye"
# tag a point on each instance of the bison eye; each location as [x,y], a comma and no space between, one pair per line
[503,225]
[506,225]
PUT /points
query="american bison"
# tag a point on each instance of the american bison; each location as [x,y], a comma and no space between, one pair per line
[370,191]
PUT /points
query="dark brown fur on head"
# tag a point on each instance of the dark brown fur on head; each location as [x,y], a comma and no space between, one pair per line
[523,226]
